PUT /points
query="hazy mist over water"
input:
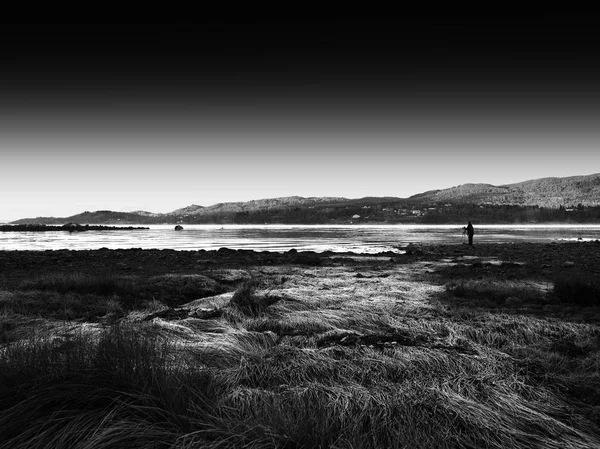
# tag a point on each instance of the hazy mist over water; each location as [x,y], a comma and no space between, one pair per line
[279,238]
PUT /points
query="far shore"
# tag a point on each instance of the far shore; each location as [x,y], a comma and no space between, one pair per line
[70,227]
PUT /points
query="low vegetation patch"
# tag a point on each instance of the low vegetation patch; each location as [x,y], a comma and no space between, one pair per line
[172,289]
[175,289]
[493,293]
[54,305]
[104,284]
[578,289]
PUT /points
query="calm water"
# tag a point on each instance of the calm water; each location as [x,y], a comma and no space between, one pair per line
[366,239]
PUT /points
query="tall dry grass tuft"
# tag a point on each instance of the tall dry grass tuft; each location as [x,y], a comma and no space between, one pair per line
[122,388]
[247,300]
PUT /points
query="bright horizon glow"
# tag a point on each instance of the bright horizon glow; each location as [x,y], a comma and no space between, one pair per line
[60,178]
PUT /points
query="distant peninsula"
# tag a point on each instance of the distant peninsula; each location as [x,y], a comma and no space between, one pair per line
[70,227]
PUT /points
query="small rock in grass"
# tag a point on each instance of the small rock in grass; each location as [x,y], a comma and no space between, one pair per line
[513,301]
[568,264]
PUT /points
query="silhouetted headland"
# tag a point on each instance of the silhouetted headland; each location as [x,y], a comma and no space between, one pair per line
[71,227]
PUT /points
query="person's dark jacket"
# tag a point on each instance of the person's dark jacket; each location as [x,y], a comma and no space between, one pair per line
[470,230]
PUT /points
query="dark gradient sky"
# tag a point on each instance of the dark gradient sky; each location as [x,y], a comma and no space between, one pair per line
[157,117]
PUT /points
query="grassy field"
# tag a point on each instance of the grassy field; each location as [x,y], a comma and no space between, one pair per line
[441,350]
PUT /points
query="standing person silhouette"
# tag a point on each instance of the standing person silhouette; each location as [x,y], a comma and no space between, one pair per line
[470,232]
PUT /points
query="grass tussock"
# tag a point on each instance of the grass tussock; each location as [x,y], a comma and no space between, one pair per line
[580,290]
[299,323]
[123,388]
[248,301]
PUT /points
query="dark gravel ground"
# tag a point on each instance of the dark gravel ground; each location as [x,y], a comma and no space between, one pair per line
[18,266]
[537,259]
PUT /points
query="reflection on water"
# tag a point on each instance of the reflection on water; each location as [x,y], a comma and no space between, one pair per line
[357,238]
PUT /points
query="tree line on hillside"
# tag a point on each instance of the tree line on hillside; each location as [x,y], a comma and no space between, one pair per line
[513,214]
[405,213]
[355,212]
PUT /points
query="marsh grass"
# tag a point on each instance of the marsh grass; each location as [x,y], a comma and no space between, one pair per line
[560,354]
[133,387]
[259,375]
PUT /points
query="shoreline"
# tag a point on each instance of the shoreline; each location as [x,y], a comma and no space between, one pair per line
[69,227]
[541,259]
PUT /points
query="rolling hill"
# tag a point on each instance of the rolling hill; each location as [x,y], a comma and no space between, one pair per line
[544,192]
[499,204]
[256,205]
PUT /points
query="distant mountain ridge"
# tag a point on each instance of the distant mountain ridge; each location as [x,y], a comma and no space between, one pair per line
[193,211]
[544,192]
[255,205]
[433,206]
